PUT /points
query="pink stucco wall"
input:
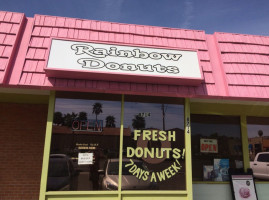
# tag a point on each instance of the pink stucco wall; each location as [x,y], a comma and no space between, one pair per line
[233,65]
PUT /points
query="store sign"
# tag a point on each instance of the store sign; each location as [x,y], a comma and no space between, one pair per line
[87,125]
[243,187]
[85,158]
[154,155]
[208,145]
[88,60]
[86,146]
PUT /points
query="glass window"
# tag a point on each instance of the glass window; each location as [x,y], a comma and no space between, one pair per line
[216,146]
[85,143]
[153,144]
[258,145]
[85,137]
[263,158]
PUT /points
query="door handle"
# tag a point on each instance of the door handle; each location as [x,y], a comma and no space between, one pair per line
[254,164]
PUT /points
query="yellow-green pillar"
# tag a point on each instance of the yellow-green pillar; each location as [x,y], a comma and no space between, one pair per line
[188,149]
[45,165]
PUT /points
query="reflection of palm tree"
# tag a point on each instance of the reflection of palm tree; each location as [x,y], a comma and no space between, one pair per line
[110,121]
[82,116]
[260,133]
[69,118]
[58,118]
[97,109]
[138,122]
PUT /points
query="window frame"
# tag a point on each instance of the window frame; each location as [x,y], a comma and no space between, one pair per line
[227,117]
[243,109]
[263,158]
[180,194]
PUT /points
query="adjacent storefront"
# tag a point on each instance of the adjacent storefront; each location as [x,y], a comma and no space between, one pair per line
[127,111]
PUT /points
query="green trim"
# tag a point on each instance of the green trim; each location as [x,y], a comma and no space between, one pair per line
[211,182]
[64,196]
[188,150]
[244,135]
[45,165]
[154,192]
[24,98]
[60,193]
[121,145]
[261,182]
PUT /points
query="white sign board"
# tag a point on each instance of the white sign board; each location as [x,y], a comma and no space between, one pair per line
[243,187]
[208,145]
[122,62]
[85,158]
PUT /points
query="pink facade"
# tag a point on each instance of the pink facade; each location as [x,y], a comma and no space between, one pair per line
[234,66]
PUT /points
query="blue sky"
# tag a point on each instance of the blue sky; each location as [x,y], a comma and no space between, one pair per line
[113,108]
[234,16]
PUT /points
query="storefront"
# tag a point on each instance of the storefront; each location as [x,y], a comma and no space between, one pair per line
[93,109]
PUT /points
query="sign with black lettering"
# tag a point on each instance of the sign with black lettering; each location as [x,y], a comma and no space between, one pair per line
[85,158]
[88,60]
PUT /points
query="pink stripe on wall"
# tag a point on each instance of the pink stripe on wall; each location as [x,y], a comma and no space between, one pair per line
[11,25]
[217,67]
[21,55]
